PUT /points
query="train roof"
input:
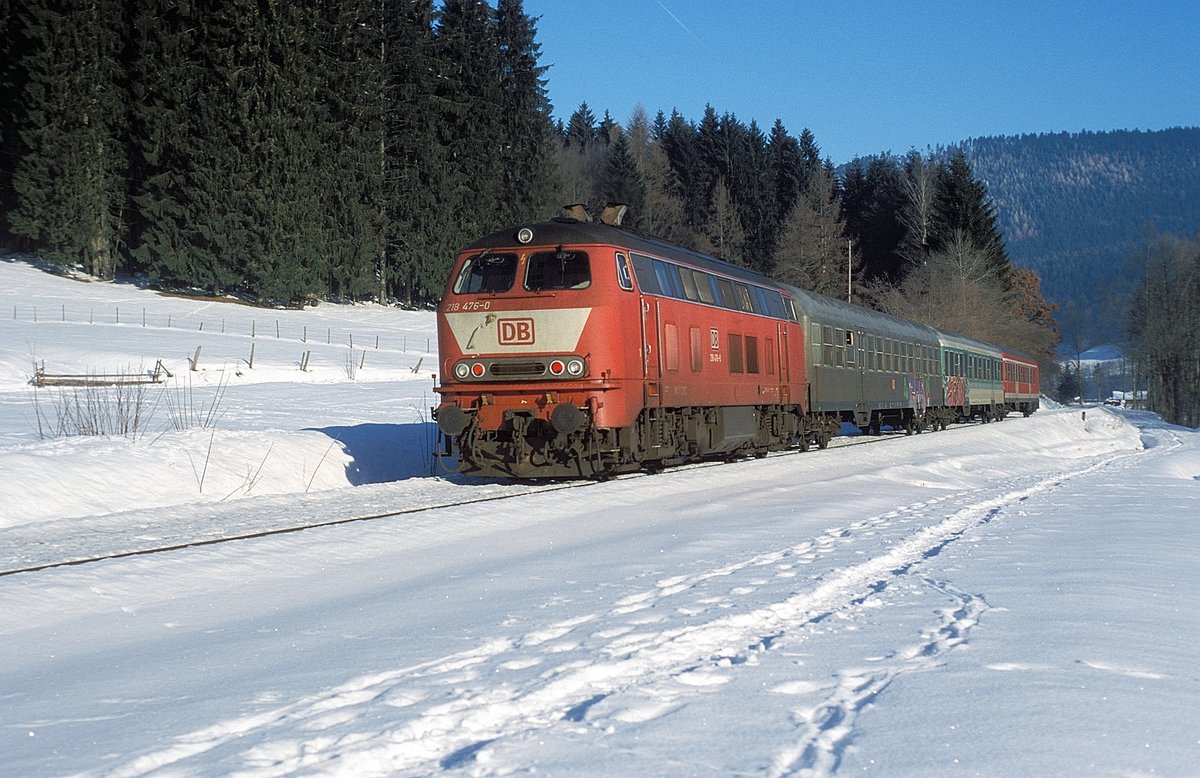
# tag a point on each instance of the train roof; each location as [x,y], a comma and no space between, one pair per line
[564,230]
[826,310]
[959,341]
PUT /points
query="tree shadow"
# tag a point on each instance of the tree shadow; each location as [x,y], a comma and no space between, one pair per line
[381,453]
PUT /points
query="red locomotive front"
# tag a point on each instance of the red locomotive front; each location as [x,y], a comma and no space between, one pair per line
[530,365]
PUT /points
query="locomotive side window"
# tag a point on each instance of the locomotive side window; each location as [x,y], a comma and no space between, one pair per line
[704,285]
[689,284]
[744,302]
[727,298]
[623,276]
[487,273]
[558,270]
[668,281]
[827,346]
[643,268]
[774,303]
[676,282]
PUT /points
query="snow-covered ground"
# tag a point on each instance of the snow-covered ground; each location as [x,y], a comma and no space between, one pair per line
[1010,599]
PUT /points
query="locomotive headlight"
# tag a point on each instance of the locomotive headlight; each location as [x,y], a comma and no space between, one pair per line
[478,370]
[557,367]
[575,367]
[462,370]
[524,235]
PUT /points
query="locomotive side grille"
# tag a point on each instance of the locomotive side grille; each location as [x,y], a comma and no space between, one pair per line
[517,369]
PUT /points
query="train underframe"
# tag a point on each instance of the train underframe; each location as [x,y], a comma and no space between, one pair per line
[528,446]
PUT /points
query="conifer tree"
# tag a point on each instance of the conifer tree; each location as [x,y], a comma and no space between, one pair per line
[962,207]
[755,202]
[581,128]
[70,182]
[691,175]
[352,97]
[785,171]
[170,88]
[471,130]
[12,77]
[871,204]
[580,159]
[810,156]
[421,236]
[622,181]
[528,149]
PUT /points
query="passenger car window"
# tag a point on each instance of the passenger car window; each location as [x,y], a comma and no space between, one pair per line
[487,273]
[558,270]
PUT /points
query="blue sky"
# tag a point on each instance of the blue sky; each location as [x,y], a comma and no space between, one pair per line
[867,77]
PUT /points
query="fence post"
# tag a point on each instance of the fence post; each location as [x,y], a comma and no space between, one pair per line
[196,360]
[251,356]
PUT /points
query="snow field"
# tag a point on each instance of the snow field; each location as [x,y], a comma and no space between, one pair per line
[1003,599]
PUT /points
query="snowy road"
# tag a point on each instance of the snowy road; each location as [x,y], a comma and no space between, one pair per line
[930,606]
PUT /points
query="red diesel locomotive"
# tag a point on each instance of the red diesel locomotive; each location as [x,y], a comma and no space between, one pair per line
[575,348]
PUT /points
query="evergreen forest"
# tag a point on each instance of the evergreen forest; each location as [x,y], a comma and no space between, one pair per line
[290,153]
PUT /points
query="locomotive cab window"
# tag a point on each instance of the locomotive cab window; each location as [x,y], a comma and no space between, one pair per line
[487,274]
[623,276]
[548,270]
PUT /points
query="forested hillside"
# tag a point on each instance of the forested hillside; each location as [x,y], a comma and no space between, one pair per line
[1077,207]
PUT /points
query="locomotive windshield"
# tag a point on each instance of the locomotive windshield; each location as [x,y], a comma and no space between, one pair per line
[487,273]
[558,270]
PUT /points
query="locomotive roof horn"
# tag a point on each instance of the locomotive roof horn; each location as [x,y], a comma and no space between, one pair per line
[613,214]
[578,212]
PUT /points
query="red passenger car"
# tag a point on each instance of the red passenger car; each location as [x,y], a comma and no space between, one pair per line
[1021,387]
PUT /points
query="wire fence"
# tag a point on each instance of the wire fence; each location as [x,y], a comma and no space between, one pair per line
[274,329]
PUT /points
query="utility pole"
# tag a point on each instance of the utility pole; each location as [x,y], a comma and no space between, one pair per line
[849,269]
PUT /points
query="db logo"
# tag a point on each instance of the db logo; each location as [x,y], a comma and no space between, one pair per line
[515,332]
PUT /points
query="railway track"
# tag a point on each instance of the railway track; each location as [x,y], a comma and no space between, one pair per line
[838,442]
